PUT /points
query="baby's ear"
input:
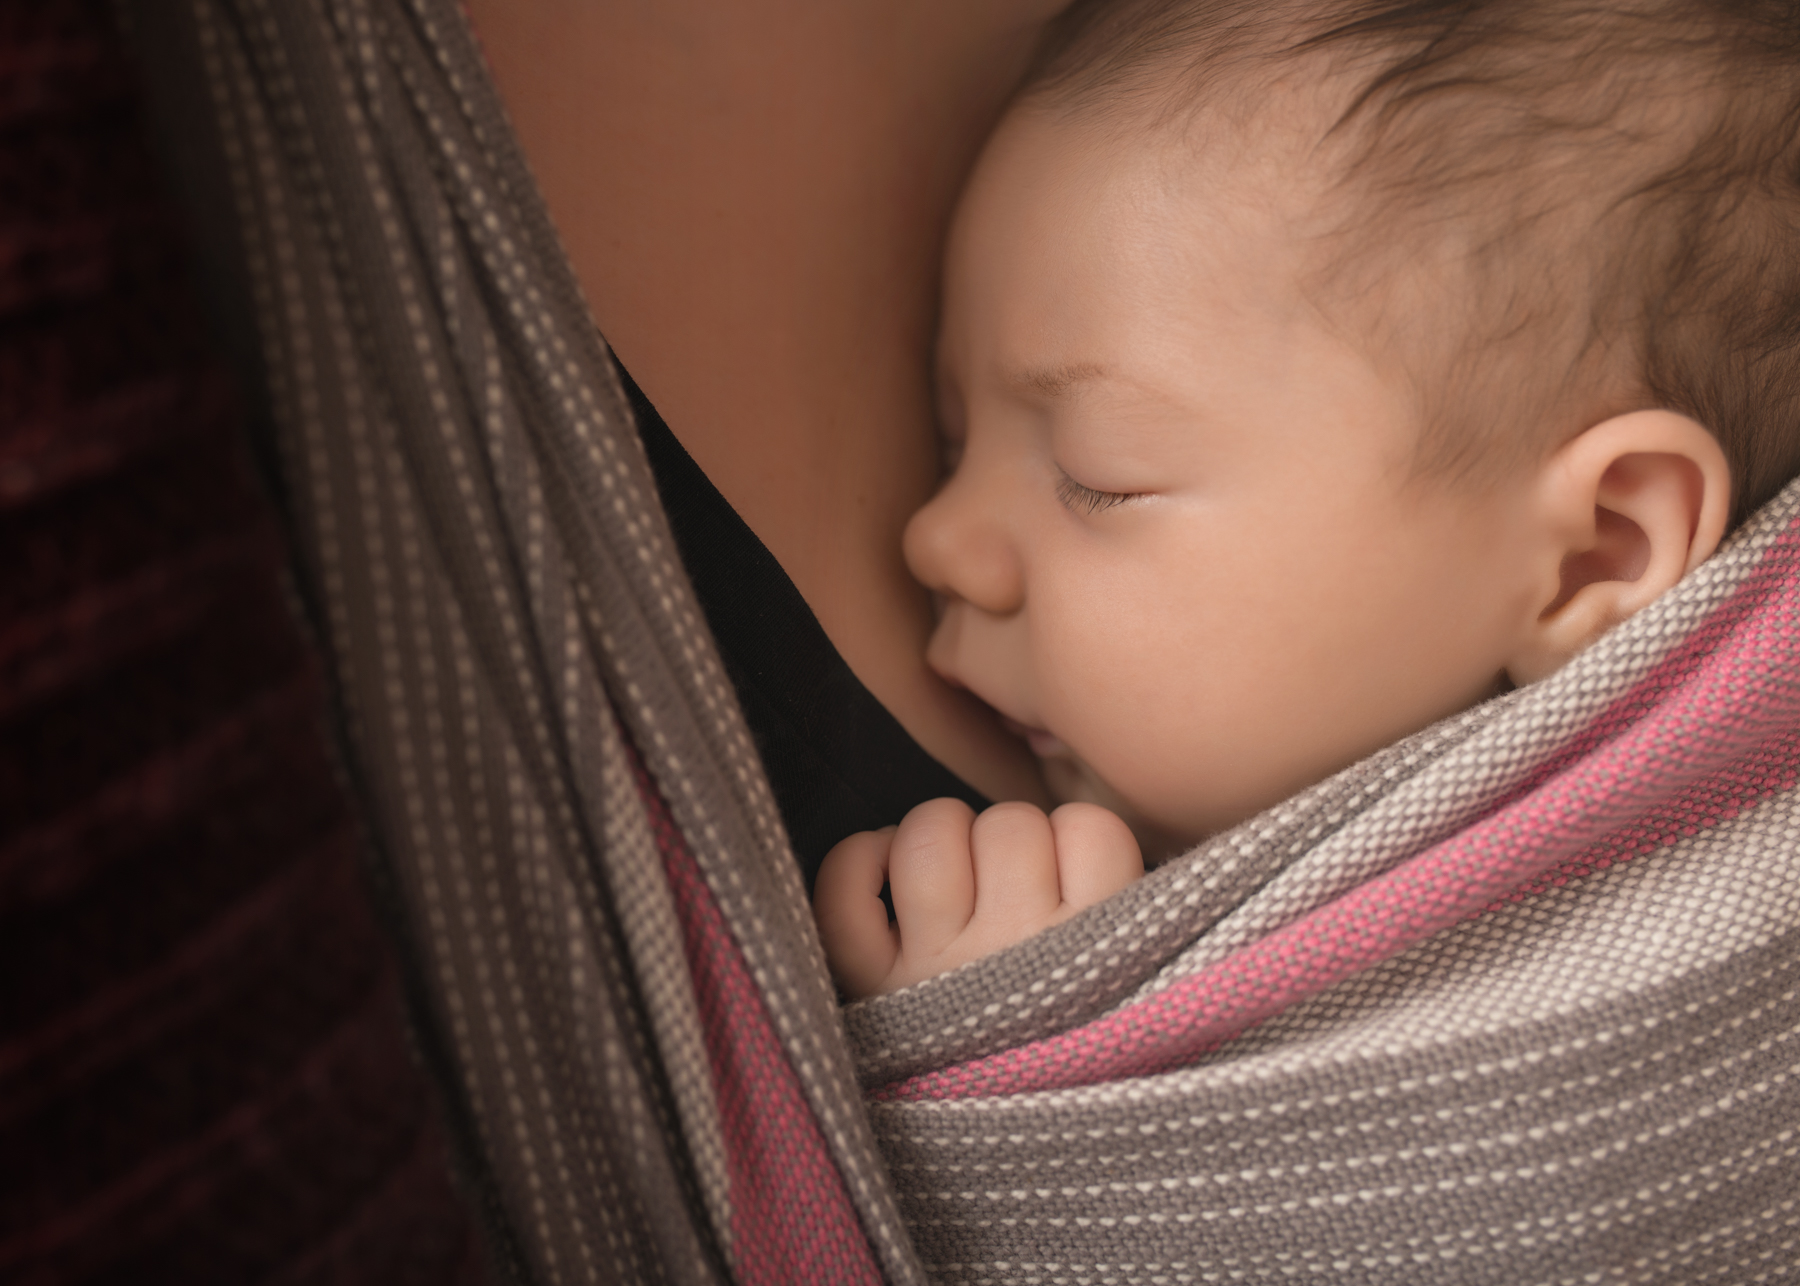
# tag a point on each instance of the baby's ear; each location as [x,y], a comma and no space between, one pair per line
[1630,506]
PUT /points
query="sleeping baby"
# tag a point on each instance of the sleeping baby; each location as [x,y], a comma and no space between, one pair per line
[1311,372]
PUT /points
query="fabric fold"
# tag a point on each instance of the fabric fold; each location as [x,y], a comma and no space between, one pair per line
[509,627]
[1511,1001]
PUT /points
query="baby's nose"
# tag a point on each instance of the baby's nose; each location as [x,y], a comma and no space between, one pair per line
[959,546]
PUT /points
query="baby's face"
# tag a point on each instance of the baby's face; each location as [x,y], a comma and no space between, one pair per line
[1183,549]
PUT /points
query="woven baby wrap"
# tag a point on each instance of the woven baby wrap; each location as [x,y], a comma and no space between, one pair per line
[1509,1002]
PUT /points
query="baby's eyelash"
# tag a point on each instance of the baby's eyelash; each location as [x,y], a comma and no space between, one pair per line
[1086,499]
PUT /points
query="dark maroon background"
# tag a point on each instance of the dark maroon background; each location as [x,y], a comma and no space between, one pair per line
[204,1074]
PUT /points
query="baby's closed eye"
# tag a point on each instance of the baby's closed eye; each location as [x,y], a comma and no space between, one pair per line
[1087,499]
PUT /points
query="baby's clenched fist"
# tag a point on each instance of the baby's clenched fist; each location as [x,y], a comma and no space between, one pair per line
[963,886]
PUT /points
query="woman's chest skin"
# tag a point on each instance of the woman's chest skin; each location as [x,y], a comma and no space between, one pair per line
[754,197]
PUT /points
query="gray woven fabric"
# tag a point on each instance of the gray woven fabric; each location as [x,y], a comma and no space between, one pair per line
[1593,1081]
[499,591]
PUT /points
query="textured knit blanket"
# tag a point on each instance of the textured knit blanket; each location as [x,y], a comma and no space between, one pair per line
[1511,1002]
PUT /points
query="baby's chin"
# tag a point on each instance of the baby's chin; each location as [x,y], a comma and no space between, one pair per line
[1072,782]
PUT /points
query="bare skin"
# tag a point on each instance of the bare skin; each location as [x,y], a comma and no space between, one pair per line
[754,198]
[1184,549]
[964,886]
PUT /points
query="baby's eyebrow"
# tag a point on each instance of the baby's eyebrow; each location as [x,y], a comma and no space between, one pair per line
[1051,382]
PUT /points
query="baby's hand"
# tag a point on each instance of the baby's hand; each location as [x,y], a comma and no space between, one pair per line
[963,886]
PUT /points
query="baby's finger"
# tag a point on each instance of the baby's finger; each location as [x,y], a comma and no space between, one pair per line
[860,944]
[1096,854]
[1016,889]
[930,876]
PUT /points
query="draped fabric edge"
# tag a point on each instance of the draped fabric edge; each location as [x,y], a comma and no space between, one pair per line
[441,400]
[1532,903]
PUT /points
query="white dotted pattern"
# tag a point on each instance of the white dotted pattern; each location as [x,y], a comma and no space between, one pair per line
[1596,1083]
[498,585]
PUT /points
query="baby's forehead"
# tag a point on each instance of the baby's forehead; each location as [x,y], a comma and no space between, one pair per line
[1269,155]
[1513,196]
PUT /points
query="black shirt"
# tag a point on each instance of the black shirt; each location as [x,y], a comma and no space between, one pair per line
[837,760]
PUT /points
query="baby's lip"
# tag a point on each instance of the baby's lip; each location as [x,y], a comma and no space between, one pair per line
[1045,745]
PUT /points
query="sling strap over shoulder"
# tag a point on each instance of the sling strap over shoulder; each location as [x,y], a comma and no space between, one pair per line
[1512,1001]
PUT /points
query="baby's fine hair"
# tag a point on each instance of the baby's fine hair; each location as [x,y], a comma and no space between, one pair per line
[1614,188]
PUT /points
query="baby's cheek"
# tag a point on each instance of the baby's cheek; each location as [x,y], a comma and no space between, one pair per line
[1187,771]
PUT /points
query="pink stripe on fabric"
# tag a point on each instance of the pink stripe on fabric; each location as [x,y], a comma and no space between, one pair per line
[1708,732]
[791,1215]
